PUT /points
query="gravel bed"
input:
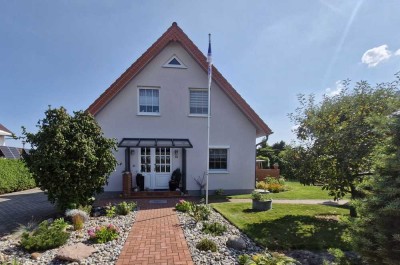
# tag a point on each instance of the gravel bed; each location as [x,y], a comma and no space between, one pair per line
[224,255]
[105,253]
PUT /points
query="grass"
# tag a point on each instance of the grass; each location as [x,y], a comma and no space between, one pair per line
[290,226]
[296,191]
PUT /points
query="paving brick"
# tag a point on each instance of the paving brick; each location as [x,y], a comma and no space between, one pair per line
[156,237]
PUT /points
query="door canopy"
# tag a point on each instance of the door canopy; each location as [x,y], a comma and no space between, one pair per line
[155,142]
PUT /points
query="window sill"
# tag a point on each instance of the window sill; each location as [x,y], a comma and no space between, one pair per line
[219,172]
[148,114]
[198,115]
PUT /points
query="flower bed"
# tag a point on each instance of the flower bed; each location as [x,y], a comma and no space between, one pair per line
[106,253]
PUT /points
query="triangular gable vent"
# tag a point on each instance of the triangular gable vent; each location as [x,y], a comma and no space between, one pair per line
[174,62]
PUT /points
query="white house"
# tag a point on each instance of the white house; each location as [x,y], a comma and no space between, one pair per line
[3,133]
[157,109]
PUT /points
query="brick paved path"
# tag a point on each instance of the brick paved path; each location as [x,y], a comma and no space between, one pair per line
[156,237]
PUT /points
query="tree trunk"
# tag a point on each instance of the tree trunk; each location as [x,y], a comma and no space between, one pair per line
[354,195]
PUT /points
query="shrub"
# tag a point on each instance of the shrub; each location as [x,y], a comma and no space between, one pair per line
[275,187]
[46,236]
[257,196]
[78,218]
[206,245]
[124,208]
[340,258]
[215,228]
[14,176]
[183,206]
[199,212]
[70,151]
[262,185]
[87,209]
[103,234]
[219,192]
[110,210]
[266,259]
[271,180]
[376,233]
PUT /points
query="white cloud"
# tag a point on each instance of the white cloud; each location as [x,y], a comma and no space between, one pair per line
[331,92]
[376,55]
[397,53]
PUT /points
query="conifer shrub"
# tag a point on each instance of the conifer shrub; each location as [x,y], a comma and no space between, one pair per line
[46,236]
[206,244]
[266,258]
[215,228]
[376,233]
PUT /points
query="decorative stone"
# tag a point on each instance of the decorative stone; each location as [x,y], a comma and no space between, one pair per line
[236,242]
[96,214]
[35,255]
[2,258]
[75,252]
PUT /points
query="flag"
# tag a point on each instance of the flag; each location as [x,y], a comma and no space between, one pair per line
[209,60]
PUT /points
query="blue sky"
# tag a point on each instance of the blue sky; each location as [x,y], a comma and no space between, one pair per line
[66,53]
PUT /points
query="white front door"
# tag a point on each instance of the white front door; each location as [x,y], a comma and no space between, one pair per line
[155,165]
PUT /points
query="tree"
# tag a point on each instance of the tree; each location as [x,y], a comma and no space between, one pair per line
[70,157]
[376,233]
[337,138]
[270,153]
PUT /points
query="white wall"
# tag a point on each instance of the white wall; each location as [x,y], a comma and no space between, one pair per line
[229,126]
[2,141]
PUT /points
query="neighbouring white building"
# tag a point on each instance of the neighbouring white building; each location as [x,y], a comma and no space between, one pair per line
[3,133]
[157,110]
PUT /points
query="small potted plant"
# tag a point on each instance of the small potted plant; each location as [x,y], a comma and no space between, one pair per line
[260,202]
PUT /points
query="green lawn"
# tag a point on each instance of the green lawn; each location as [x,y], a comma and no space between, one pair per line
[290,226]
[296,191]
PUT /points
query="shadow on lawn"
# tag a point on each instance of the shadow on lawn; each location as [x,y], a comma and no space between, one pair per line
[298,232]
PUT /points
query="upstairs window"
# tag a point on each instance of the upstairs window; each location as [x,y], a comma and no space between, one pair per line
[198,101]
[149,101]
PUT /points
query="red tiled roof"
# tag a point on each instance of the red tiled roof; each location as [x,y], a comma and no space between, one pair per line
[176,34]
[2,128]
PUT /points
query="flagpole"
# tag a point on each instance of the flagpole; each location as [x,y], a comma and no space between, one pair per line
[209,60]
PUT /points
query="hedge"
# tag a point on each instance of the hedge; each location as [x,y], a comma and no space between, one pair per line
[14,176]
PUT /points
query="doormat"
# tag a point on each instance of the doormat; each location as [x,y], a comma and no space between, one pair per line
[157,201]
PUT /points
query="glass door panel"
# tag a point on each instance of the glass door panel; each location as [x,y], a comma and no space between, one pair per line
[163,159]
[145,160]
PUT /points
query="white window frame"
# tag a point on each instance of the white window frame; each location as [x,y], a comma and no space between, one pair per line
[221,171]
[198,114]
[138,101]
[167,65]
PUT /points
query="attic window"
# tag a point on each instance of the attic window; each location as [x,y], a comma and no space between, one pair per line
[174,62]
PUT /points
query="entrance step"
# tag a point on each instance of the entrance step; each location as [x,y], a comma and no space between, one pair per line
[154,194]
